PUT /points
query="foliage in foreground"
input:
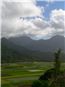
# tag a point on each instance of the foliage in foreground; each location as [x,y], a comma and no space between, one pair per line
[59,82]
[52,77]
[39,83]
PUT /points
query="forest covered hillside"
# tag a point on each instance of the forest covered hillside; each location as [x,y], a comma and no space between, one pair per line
[14,52]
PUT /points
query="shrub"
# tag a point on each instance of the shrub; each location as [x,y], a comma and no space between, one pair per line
[58,82]
[39,83]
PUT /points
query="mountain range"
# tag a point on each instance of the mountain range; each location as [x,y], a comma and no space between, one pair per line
[40,45]
[26,49]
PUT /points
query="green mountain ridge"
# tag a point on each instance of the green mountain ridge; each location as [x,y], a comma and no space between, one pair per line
[48,45]
[15,53]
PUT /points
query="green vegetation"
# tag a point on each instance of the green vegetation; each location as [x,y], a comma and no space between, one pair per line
[16,73]
[12,53]
[39,83]
[23,74]
[57,63]
[53,77]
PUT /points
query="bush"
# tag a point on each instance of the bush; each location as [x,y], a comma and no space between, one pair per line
[49,74]
[59,82]
[39,83]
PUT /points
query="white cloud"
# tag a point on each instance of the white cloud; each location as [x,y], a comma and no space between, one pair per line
[36,28]
[34,1]
[57,20]
[50,0]
[11,13]
[18,9]
[40,23]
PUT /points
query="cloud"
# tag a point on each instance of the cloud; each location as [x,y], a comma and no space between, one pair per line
[36,28]
[50,1]
[18,9]
[40,23]
[57,20]
[12,11]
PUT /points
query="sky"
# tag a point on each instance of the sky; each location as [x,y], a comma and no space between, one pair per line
[38,19]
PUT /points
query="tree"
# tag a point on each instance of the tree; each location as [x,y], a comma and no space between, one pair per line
[57,62]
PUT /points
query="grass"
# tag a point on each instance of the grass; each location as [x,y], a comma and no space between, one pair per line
[16,74]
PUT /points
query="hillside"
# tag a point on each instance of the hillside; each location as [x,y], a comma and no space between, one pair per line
[40,45]
[14,52]
[11,52]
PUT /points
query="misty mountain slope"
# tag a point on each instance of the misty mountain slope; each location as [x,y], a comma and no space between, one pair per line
[22,41]
[11,52]
[17,53]
[13,46]
[40,45]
